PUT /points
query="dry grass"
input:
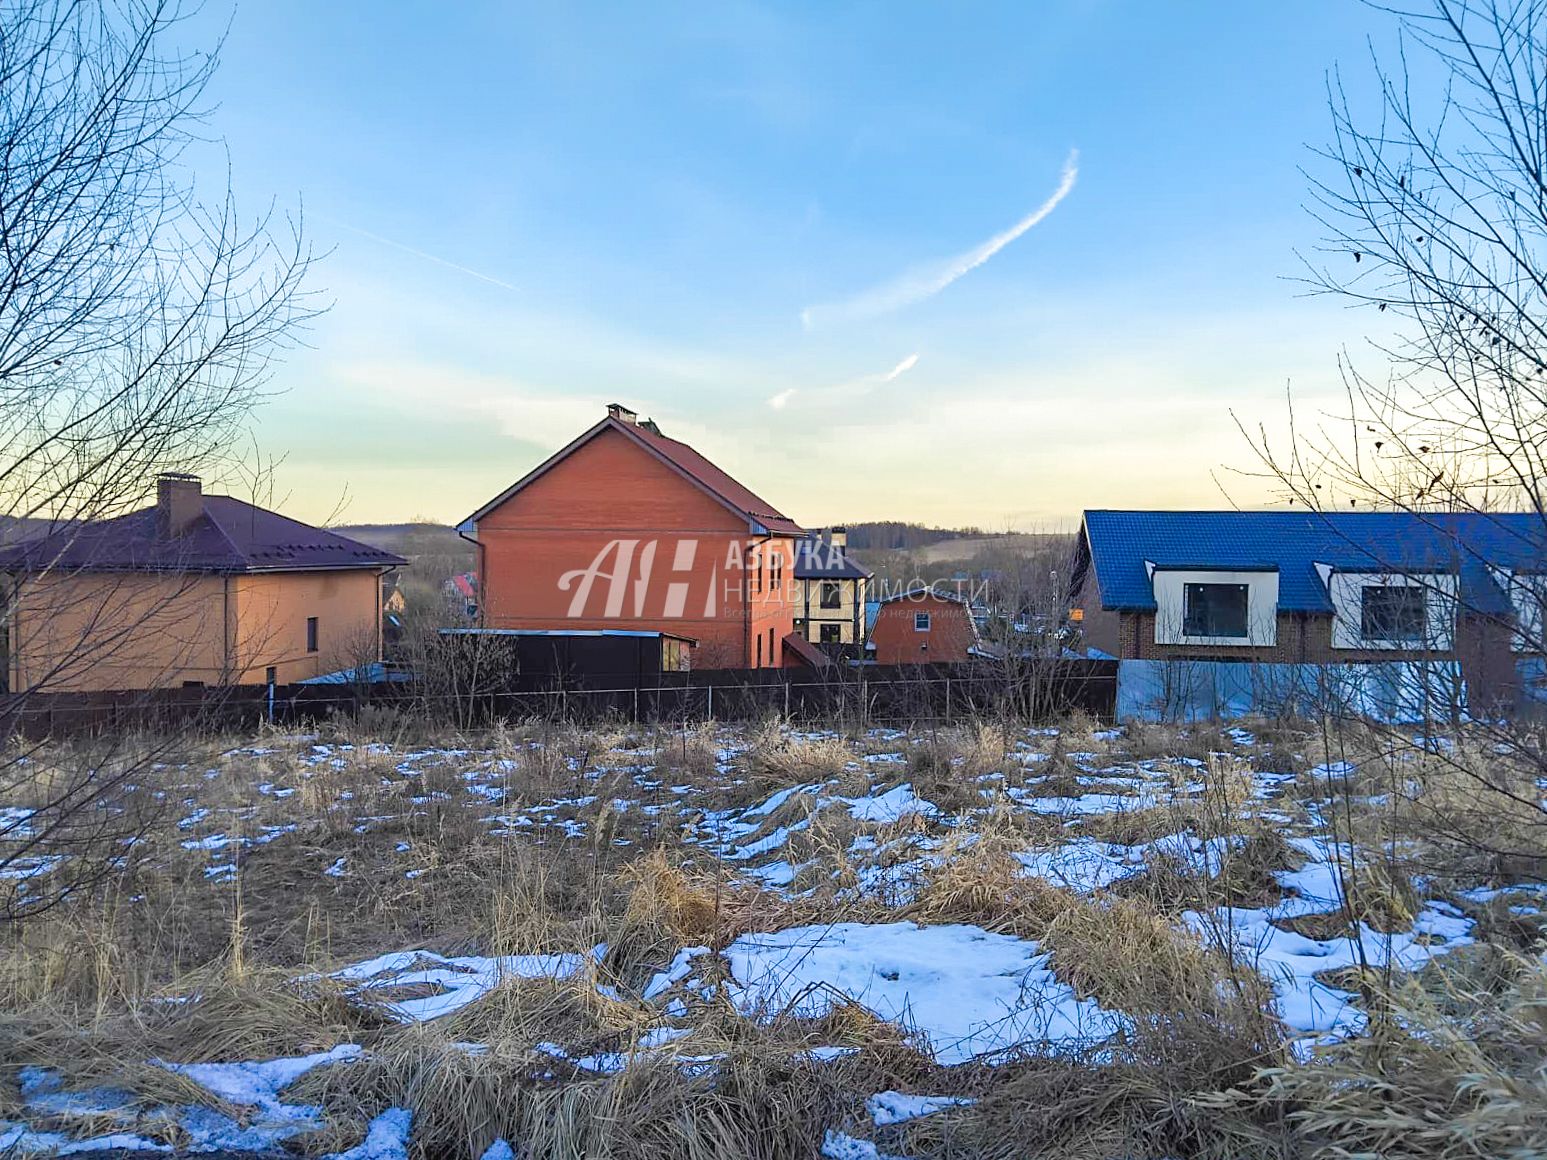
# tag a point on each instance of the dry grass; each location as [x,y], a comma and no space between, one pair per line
[1454,1070]
[546,838]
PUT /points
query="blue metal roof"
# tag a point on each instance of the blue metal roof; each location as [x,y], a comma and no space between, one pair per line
[1294,542]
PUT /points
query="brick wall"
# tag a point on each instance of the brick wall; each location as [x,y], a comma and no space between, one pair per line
[1482,649]
[1302,638]
[606,505]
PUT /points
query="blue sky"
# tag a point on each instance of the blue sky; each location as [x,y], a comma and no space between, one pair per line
[754,223]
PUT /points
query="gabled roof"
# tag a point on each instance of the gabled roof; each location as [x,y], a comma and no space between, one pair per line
[1122,546]
[228,536]
[921,591]
[806,653]
[680,458]
[818,559]
[924,590]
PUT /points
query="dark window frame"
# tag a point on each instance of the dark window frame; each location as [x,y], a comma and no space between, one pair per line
[1404,625]
[311,634]
[1213,610]
[830,633]
[830,594]
[923,622]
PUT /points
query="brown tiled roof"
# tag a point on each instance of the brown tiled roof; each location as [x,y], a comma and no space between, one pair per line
[694,465]
[806,652]
[229,535]
[685,461]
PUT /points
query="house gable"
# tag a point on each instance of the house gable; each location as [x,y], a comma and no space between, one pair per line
[608,481]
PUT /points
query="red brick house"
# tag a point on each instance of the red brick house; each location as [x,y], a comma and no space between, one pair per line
[922,626]
[625,528]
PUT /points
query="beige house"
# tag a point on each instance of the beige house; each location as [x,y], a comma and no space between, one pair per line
[196,590]
[830,590]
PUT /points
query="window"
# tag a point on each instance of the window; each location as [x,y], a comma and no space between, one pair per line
[776,567]
[1393,612]
[1214,610]
[757,570]
[772,656]
[674,656]
[832,595]
[831,634]
[311,634]
[921,622]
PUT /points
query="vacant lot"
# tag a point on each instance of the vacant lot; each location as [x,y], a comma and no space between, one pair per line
[719,942]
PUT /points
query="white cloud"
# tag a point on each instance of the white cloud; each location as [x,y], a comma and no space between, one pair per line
[901,368]
[779,401]
[926,281]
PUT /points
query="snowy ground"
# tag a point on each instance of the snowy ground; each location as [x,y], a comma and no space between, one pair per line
[833,853]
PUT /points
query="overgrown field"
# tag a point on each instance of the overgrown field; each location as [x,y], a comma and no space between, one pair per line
[1278,940]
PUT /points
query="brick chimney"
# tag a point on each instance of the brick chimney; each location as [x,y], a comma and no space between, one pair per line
[621,413]
[838,537]
[179,503]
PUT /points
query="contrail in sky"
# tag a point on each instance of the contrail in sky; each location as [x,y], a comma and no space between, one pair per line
[427,257]
[926,281]
[858,386]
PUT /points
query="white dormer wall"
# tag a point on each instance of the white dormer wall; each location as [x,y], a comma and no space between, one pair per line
[1261,606]
[1347,592]
[1527,594]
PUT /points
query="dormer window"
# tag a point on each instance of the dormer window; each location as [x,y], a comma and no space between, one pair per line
[1231,608]
[1394,613]
[1214,610]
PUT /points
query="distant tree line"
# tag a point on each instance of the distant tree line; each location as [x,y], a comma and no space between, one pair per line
[900,536]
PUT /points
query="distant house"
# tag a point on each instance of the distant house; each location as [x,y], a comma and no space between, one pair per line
[830,590]
[625,528]
[393,608]
[1459,592]
[196,590]
[922,626]
[462,595]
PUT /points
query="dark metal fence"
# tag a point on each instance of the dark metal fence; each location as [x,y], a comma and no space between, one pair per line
[898,694]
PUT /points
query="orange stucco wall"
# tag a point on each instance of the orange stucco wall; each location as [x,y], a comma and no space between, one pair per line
[898,643]
[610,537]
[272,609]
[138,631]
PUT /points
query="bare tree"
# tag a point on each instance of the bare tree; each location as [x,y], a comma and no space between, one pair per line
[1433,196]
[139,317]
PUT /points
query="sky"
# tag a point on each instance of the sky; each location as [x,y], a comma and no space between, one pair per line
[960,264]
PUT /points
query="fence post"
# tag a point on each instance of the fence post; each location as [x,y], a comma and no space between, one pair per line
[948,698]
[710,713]
[786,700]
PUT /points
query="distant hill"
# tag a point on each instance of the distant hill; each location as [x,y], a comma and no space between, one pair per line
[433,551]
[900,536]
[395,537]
